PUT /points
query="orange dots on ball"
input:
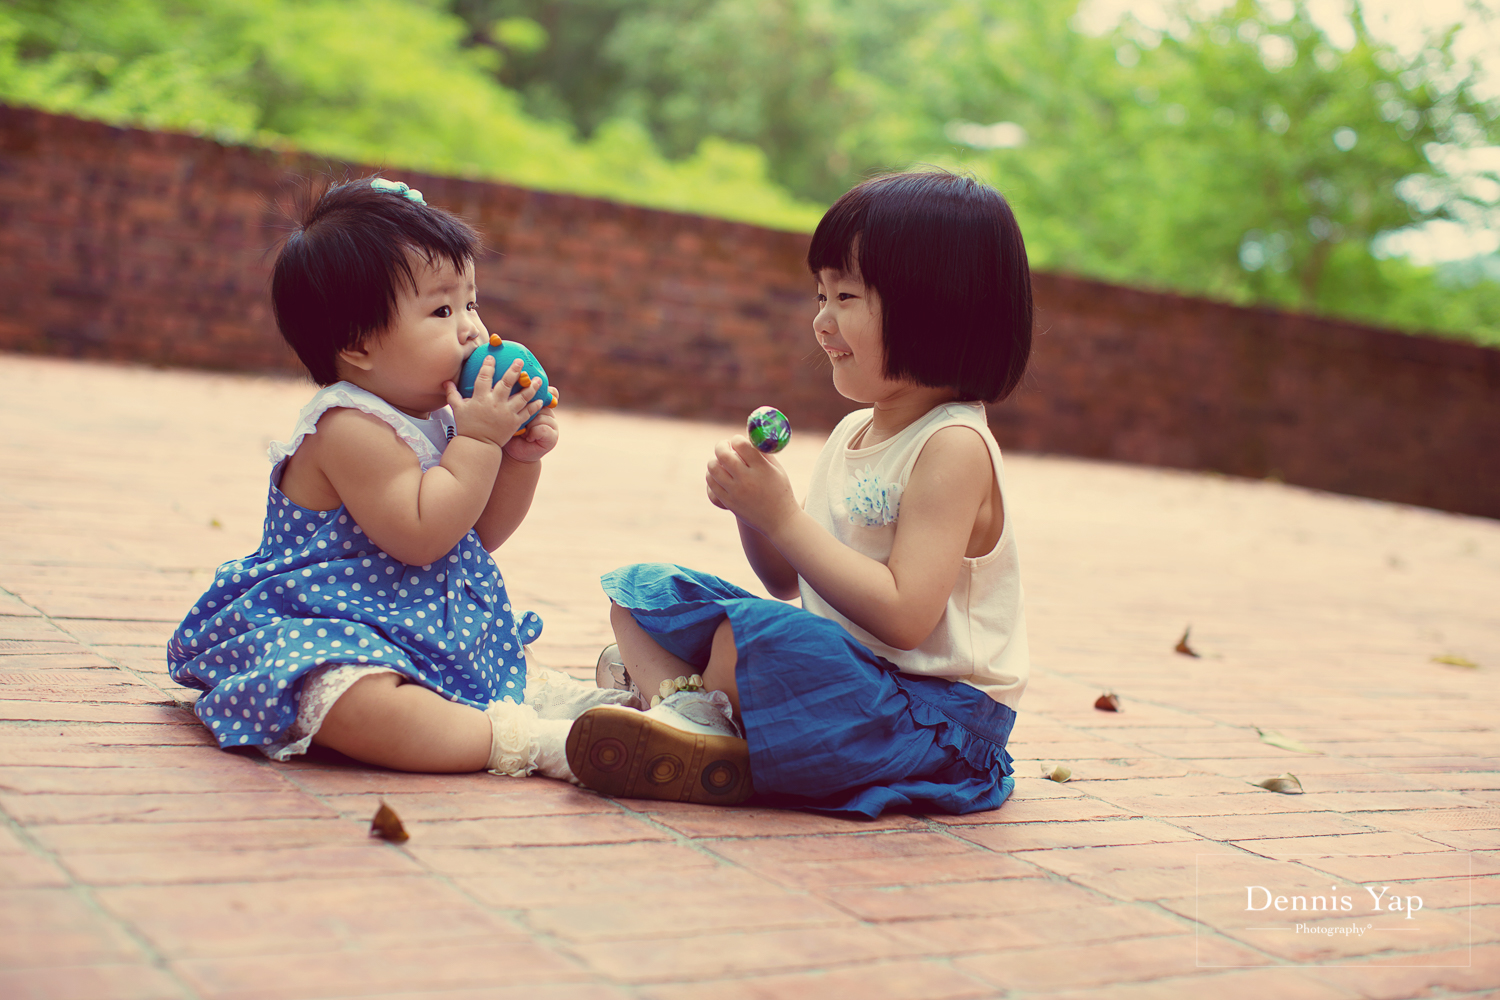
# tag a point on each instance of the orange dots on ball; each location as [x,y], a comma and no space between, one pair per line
[495,340]
[523,380]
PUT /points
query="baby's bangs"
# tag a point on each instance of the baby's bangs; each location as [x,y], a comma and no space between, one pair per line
[435,237]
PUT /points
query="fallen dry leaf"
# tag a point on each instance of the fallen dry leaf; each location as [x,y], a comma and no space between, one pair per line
[1454,660]
[1287,784]
[1182,644]
[1058,773]
[1107,702]
[387,825]
[1275,739]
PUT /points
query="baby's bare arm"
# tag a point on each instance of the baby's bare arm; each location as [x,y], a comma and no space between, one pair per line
[412,516]
[515,486]
[509,501]
[415,516]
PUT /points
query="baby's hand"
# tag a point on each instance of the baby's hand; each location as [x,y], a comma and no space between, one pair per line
[750,483]
[541,437]
[492,415]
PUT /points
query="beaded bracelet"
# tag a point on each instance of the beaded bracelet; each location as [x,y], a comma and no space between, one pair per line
[671,686]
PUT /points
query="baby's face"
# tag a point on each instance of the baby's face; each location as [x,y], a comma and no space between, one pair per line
[435,329]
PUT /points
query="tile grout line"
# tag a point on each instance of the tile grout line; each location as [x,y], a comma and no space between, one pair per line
[1151,905]
[515,915]
[144,677]
[86,893]
[1384,771]
[930,825]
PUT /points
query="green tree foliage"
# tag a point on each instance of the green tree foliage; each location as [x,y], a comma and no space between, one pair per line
[383,81]
[1243,154]
[552,53]
[783,75]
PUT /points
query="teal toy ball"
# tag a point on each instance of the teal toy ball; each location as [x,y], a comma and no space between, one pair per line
[768,429]
[505,352]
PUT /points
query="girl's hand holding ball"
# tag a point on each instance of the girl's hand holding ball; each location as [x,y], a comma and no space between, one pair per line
[745,479]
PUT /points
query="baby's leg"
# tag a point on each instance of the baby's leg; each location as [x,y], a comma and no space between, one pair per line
[649,664]
[386,720]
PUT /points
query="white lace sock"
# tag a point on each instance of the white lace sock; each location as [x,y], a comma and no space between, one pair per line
[551,749]
[521,743]
[556,695]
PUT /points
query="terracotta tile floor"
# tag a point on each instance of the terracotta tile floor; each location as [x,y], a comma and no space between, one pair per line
[137,861]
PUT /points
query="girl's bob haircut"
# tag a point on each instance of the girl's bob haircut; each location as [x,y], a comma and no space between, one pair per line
[945,256]
[335,281]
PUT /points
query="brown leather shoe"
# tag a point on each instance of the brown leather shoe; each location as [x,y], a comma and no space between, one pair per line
[658,755]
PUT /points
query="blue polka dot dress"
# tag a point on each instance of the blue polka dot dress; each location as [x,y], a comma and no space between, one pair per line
[318,598]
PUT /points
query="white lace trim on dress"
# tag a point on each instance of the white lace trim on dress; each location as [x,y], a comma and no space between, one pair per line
[320,690]
[347,394]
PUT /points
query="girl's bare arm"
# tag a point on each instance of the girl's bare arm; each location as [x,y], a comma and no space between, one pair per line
[775,573]
[899,602]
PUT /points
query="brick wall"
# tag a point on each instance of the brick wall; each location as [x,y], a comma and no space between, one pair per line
[145,246]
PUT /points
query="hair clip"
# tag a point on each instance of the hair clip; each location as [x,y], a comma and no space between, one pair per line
[398,187]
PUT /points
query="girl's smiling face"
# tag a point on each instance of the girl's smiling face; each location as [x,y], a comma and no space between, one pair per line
[848,328]
[435,329]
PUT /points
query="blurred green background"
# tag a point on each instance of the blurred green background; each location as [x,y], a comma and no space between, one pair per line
[1256,152]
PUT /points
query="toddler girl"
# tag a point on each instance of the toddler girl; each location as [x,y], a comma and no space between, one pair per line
[372,618]
[895,684]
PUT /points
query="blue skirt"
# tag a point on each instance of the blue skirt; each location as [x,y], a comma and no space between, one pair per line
[832,727]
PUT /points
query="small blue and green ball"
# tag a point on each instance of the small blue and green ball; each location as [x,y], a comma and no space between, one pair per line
[768,429]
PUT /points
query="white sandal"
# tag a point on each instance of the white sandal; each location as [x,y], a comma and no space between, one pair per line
[611,675]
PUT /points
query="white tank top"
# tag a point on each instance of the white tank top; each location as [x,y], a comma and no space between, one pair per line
[856,495]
